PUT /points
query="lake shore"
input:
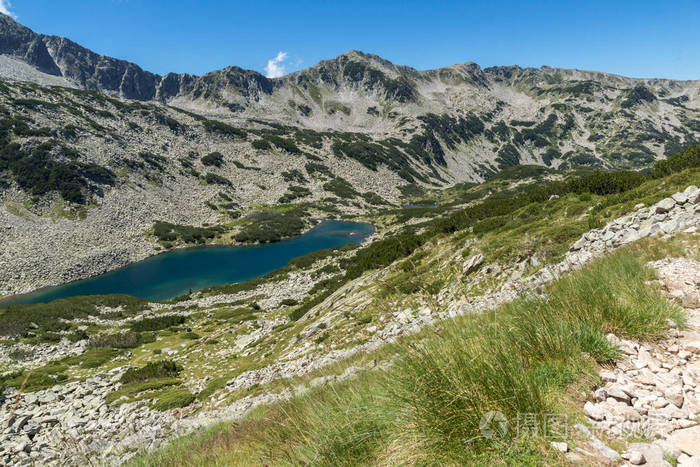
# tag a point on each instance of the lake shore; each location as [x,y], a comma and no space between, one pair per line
[170,274]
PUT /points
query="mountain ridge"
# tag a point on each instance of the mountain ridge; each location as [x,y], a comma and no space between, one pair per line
[58,56]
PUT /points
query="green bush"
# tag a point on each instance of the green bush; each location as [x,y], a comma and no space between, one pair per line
[283,144]
[154,161]
[215,159]
[93,358]
[294,175]
[382,253]
[314,168]
[272,226]
[237,315]
[38,172]
[147,337]
[157,323]
[175,126]
[173,399]
[213,179]
[341,188]
[15,319]
[214,126]
[122,340]
[295,192]
[489,224]
[151,371]
[40,378]
[375,255]
[78,335]
[261,145]
[167,232]
[133,389]
[678,162]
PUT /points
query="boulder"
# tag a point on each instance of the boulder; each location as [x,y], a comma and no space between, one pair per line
[621,412]
[687,440]
[693,194]
[473,263]
[618,392]
[637,458]
[646,454]
[669,449]
[664,205]
[680,198]
[560,446]
[674,394]
[608,376]
[597,443]
[594,411]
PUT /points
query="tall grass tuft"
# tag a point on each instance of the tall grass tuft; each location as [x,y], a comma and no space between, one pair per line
[509,361]
[445,385]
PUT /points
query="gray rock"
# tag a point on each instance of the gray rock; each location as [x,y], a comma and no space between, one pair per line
[594,411]
[573,457]
[618,392]
[473,263]
[668,449]
[22,446]
[580,243]
[598,444]
[637,458]
[687,440]
[693,194]
[664,205]
[607,375]
[680,198]
[560,446]
[674,394]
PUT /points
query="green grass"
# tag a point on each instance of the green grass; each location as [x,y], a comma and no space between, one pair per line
[151,371]
[93,358]
[173,399]
[157,323]
[332,107]
[521,358]
[131,392]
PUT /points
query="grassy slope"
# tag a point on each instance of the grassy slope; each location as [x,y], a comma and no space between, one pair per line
[431,275]
[531,356]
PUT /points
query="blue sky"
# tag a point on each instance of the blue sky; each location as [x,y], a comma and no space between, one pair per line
[633,38]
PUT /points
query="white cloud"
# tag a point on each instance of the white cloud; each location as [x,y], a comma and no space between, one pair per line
[275,66]
[5,6]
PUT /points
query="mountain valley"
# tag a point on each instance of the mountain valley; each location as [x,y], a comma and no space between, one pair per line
[533,238]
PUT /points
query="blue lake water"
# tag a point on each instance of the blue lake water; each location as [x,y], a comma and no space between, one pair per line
[174,273]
